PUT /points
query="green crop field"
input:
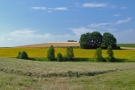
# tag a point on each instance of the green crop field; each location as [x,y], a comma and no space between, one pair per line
[127,45]
[17,74]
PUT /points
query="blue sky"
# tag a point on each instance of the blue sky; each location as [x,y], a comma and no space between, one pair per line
[25,22]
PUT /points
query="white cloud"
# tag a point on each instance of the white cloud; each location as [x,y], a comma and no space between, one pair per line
[61,8]
[117,15]
[39,8]
[49,10]
[99,24]
[28,36]
[92,5]
[80,30]
[98,5]
[2,38]
[125,36]
[123,7]
[123,21]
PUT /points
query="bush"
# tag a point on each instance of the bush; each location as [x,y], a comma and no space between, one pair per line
[23,55]
[59,57]
[19,53]
[51,53]
[98,55]
[69,53]
[110,54]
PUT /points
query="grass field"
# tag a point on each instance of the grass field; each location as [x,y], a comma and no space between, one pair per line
[124,80]
[41,53]
[15,75]
[127,45]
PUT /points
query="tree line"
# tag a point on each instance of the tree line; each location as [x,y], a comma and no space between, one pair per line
[95,40]
[70,55]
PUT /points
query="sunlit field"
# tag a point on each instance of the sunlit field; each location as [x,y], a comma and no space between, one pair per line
[79,53]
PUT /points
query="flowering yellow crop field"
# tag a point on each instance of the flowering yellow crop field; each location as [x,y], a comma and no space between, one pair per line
[79,53]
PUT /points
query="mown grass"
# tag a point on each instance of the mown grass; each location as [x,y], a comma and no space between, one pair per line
[40,54]
[60,69]
[122,76]
[127,45]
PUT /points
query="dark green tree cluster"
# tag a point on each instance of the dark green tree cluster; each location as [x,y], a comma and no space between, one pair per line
[108,40]
[95,40]
[22,55]
[68,57]
[109,58]
[71,41]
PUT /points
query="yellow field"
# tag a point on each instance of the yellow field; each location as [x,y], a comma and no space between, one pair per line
[79,53]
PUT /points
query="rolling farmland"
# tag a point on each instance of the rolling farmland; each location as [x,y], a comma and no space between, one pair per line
[35,75]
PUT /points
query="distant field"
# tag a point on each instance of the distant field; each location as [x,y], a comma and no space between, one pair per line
[55,44]
[34,75]
[41,53]
[127,45]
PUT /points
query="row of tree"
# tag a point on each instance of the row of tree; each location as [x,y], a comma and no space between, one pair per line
[51,55]
[70,55]
[110,55]
[95,40]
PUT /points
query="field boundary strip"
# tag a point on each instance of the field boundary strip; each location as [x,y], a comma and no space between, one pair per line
[67,74]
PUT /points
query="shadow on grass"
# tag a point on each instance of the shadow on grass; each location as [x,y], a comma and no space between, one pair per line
[121,60]
[81,60]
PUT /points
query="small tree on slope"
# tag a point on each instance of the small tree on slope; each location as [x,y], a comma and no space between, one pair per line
[69,53]
[23,55]
[98,55]
[51,53]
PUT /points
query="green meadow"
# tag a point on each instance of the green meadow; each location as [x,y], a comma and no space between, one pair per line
[18,74]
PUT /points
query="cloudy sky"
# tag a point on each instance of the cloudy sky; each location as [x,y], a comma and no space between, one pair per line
[25,22]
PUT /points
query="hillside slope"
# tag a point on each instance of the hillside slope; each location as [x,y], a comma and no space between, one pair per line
[56,44]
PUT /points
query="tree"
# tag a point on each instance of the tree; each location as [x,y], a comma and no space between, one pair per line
[71,41]
[23,55]
[51,53]
[98,55]
[19,53]
[69,53]
[59,57]
[109,40]
[90,40]
[85,41]
[96,39]
[110,54]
